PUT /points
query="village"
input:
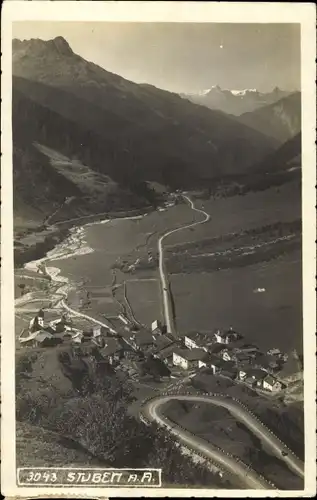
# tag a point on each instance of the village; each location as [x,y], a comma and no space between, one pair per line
[153,353]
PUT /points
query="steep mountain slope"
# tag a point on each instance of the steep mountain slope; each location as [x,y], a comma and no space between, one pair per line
[44,178]
[281,120]
[279,167]
[147,131]
[287,158]
[235,102]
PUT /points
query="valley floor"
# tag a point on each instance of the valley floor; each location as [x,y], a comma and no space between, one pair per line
[117,274]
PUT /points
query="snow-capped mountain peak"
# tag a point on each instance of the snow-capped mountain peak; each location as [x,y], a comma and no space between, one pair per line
[243,92]
[236,101]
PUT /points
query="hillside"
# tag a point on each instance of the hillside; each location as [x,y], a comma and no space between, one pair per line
[235,102]
[281,120]
[145,133]
[66,167]
[287,158]
[75,404]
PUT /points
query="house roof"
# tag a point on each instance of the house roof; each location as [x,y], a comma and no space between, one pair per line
[218,362]
[162,341]
[256,373]
[198,337]
[229,373]
[249,380]
[191,354]
[156,324]
[242,356]
[215,348]
[112,346]
[167,352]
[270,380]
[143,337]
[42,335]
[226,333]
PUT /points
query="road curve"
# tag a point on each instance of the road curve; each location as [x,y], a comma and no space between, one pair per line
[152,410]
[167,307]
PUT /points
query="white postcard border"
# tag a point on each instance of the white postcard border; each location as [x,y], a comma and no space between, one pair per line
[246,12]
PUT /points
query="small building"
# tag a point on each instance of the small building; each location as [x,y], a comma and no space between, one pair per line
[250,382]
[77,338]
[274,352]
[112,351]
[36,323]
[197,340]
[189,358]
[156,327]
[242,358]
[141,340]
[96,331]
[226,337]
[215,348]
[227,354]
[256,374]
[166,354]
[160,343]
[46,339]
[248,349]
[271,384]
[215,363]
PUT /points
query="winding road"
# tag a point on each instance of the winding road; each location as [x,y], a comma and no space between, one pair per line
[167,306]
[152,410]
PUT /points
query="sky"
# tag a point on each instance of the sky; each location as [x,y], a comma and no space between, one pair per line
[184,57]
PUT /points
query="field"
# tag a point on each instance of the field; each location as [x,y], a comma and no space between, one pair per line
[117,243]
[145,300]
[272,318]
[239,213]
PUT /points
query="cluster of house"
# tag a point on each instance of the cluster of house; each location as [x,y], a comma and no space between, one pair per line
[225,352]
[129,342]
[228,354]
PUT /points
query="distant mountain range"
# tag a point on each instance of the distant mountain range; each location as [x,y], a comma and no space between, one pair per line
[235,102]
[80,131]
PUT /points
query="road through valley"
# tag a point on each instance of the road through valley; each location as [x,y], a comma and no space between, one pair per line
[167,305]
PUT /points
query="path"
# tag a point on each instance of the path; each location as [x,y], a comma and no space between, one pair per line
[82,315]
[167,307]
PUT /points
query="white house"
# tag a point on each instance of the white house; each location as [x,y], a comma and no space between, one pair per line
[226,337]
[255,374]
[196,340]
[271,384]
[96,331]
[187,359]
[227,355]
[156,326]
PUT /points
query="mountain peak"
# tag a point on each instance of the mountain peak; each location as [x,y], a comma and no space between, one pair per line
[61,45]
[36,45]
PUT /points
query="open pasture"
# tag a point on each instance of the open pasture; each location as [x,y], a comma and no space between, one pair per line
[144,298]
[239,213]
[272,318]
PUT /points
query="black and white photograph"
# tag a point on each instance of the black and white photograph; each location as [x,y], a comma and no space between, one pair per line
[158,313]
